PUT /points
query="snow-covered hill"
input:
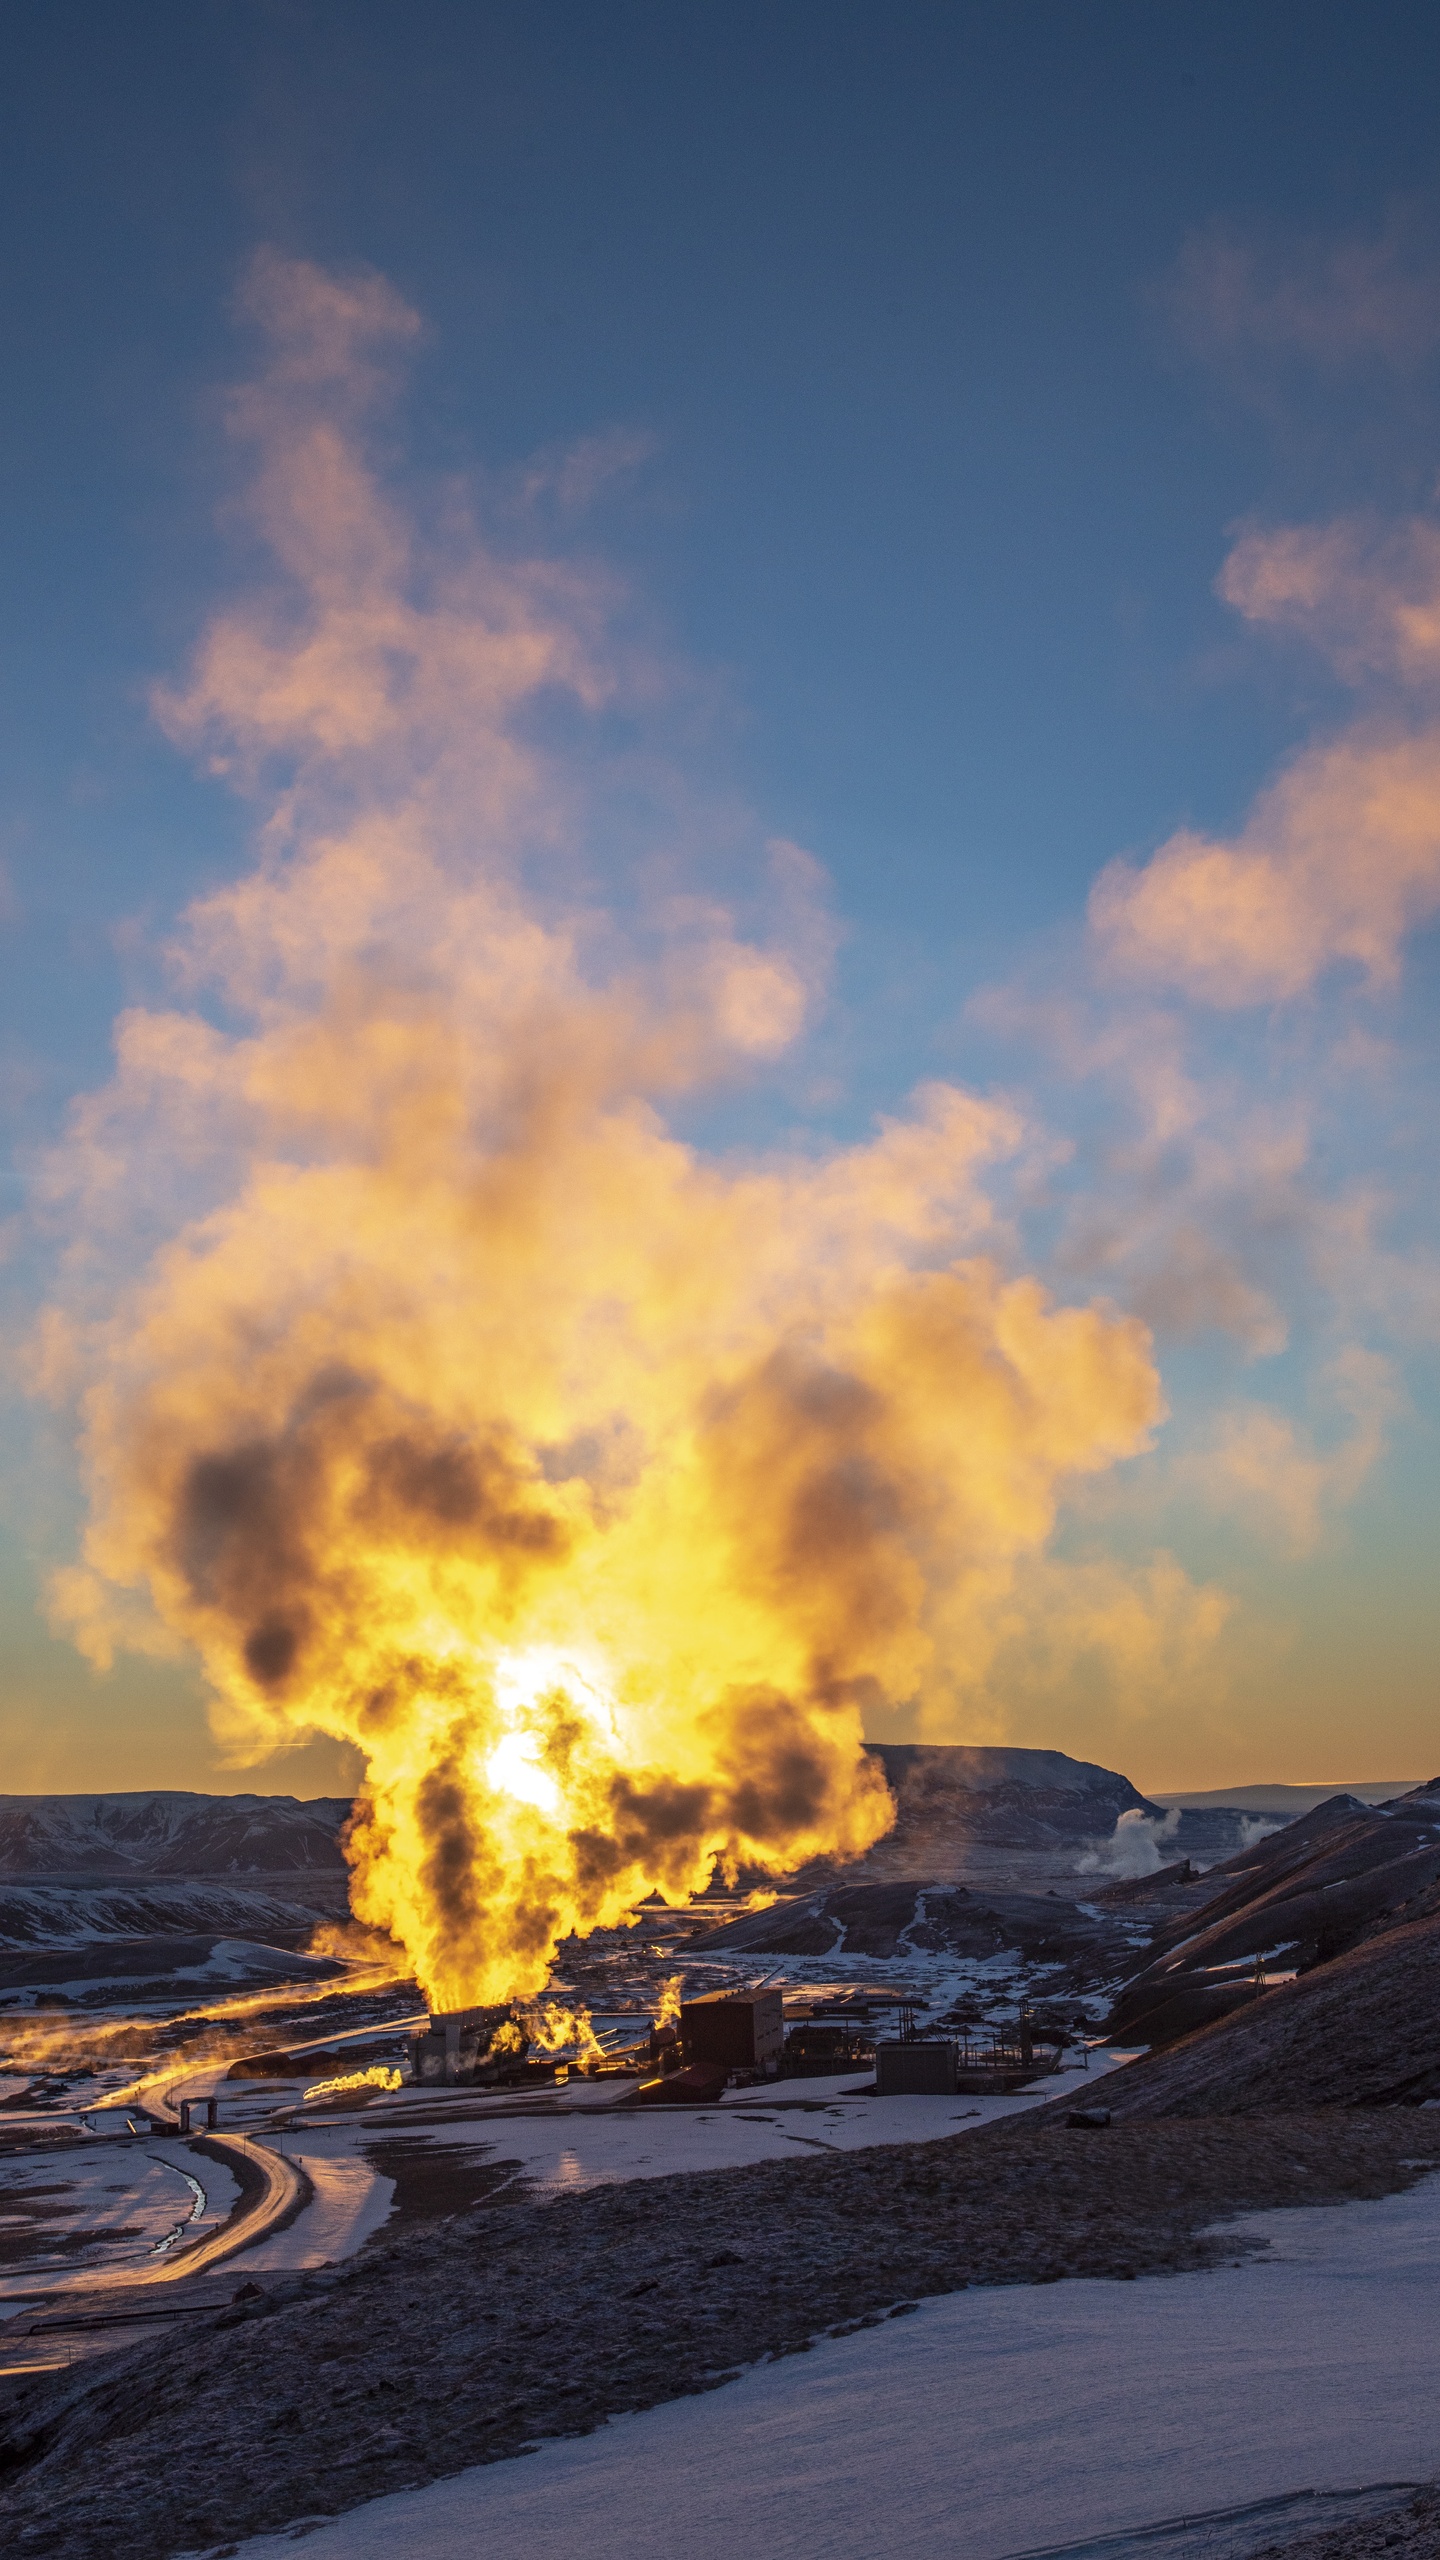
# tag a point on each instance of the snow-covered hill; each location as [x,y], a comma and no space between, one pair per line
[158,1833]
[100,1972]
[35,1914]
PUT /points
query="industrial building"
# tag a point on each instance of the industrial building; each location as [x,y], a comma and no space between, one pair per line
[453,2045]
[735,2031]
[912,2069]
[817,2049]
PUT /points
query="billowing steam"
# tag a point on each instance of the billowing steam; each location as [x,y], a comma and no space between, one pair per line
[1138,1845]
[593,1488]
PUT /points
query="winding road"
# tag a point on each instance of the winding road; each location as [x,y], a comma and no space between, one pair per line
[272,2189]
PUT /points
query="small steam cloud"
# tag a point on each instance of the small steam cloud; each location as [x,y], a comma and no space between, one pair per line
[595,1489]
[1134,1847]
[380,2075]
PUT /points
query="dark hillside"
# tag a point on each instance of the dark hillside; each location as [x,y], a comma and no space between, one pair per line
[1294,1901]
[158,1833]
[1360,2031]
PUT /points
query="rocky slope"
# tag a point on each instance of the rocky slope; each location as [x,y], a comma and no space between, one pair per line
[1362,2030]
[99,1972]
[1293,1901]
[903,1918]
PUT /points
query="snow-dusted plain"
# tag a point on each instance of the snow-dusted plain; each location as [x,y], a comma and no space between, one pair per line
[1082,2417]
[351,2201]
[99,2189]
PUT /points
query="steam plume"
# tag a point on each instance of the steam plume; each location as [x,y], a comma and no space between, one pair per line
[593,1488]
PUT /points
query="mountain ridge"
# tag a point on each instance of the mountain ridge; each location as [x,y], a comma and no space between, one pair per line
[152,1833]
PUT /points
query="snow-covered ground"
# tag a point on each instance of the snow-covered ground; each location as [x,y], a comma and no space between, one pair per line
[1080,2418]
[93,2191]
[594,2142]
[351,2200]
[600,2142]
[98,2213]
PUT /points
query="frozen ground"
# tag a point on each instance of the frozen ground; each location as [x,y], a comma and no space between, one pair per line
[350,2202]
[105,2210]
[592,2141]
[102,2212]
[1081,2418]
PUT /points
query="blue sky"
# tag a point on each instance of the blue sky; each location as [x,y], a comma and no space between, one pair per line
[919,371]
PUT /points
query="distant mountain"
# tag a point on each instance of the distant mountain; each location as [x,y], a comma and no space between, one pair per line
[963,1810]
[157,1833]
[1288,1802]
[952,1799]
[1019,1799]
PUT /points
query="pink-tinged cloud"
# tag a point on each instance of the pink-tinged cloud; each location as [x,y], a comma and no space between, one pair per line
[1367,596]
[1339,860]
[1240,300]
[373,654]
[1341,856]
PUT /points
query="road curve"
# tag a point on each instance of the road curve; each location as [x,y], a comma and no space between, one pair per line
[272,2191]
[284,2191]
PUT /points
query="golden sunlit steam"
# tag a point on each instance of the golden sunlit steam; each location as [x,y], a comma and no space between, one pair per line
[380,2075]
[552,2028]
[594,1489]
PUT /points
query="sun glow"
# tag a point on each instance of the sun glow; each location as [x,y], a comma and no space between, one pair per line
[535,1691]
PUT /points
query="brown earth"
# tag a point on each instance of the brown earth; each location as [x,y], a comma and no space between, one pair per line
[465,2341]
[435,2179]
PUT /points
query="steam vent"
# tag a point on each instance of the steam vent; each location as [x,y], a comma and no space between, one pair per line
[454,2045]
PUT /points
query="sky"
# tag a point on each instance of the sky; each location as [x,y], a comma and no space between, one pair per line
[902,547]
